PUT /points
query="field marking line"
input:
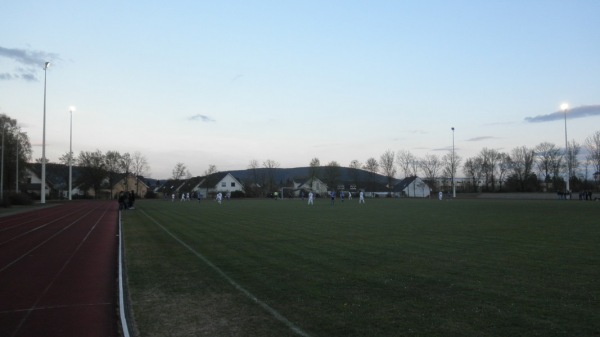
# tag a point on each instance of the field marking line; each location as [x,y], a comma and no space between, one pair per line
[236,285]
[64,266]
[124,325]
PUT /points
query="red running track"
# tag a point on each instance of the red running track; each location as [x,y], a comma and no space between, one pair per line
[58,271]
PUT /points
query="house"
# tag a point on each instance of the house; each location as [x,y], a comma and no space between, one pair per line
[191,186]
[33,182]
[130,182]
[169,187]
[223,182]
[314,185]
[413,187]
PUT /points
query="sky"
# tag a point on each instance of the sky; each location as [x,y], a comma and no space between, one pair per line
[226,82]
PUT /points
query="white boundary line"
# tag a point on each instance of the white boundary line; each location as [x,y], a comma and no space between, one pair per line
[124,325]
[248,294]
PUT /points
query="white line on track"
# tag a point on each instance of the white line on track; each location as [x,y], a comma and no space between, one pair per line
[45,241]
[67,262]
[36,228]
[248,294]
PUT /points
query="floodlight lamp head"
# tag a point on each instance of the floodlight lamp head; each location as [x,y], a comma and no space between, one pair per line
[46,65]
[564,106]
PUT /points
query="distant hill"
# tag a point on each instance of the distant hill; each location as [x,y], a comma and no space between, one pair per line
[282,175]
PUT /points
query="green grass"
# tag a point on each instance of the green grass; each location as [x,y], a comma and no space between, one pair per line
[387,268]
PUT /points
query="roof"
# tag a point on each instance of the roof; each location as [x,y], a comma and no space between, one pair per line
[189,184]
[404,183]
[170,186]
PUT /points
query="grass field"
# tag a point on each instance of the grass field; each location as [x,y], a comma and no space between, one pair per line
[387,268]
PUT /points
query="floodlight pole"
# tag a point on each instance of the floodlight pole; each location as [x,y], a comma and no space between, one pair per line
[565,107]
[17,160]
[43,188]
[71,153]
[452,166]
[2,164]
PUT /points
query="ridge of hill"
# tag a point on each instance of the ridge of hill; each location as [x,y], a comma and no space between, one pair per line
[282,175]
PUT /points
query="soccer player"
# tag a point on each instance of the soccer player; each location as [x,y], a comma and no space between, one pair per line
[440,195]
[310,198]
[361,197]
[342,196]
[332,198]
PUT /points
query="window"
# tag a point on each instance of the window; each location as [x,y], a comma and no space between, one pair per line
[223,184]
[232,184]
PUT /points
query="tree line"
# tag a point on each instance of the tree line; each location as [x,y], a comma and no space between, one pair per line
[540,168]
[98,170]
[523,169]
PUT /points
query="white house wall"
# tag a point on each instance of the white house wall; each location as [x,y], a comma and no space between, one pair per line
[229,184]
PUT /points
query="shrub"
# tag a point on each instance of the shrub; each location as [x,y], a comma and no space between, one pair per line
[238,194]
[19,199]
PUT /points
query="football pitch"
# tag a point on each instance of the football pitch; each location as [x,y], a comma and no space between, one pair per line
[390,267]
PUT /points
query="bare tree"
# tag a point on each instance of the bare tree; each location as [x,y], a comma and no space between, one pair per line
[473,170]
[592,144]
[209,175]
[179,171]
[17,152]
[547,155]
[125,163]
[270,165]
[450,163]
[415,165]
[504,166]
[405,159]
[522,159]
[387,162]
[490,159]
[253,165]
[113,168]
[371,166]
[314,168]
[93,170]
[355,165]
[139,167]
[139,164]
[211,169]
[253,186]
[431,165]
[572,159]
[332,174]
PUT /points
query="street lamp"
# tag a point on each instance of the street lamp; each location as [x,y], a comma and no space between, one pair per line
[43,189]
[71,109]
[564,107]
[452,167]
[17,160]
